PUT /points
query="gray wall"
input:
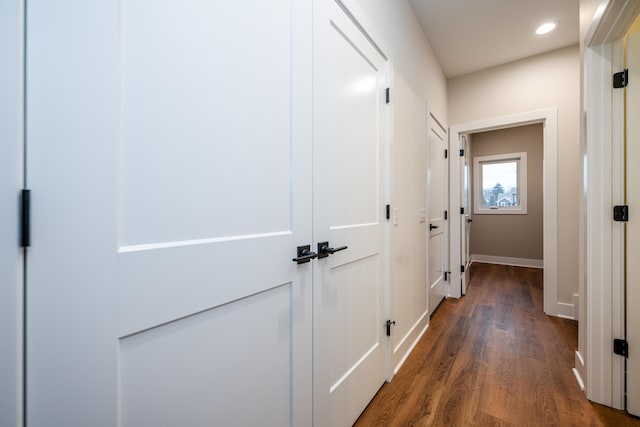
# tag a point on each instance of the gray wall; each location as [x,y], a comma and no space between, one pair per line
[516,236]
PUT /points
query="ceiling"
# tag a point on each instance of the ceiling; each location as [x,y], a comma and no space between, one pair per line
[471,35]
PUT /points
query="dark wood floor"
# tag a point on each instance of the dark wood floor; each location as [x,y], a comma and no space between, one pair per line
[492,358]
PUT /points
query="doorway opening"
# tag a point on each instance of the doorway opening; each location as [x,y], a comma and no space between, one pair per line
[506,192]
[548,119]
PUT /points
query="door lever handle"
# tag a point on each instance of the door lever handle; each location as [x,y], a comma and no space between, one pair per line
[304,254]
[469,220]
[433,227]
[324,250]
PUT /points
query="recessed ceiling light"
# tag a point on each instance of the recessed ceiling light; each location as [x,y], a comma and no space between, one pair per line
[546,27]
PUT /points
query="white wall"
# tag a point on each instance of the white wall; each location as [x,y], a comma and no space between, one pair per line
[417,78]
[10,184]
[543,81]
[413,58]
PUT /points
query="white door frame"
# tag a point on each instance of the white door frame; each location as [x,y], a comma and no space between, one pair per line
[600,281]
[11,182]
[549,119]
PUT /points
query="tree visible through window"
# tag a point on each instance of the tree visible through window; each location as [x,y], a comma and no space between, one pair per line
[500,183]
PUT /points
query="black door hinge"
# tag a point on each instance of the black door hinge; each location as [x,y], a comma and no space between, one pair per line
[446,154]
[621,213]
[389,323]
[388,211]
[621,79]
[387,95]
[446,276]
[25,220]
[461,211]
[462,269]
[446,215]
[462,153]
[621,347]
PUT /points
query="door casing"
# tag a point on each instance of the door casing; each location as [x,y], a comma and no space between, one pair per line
[549,118]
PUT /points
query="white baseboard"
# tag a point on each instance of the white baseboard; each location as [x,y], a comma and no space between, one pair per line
[503,260]
[564,310]
[411,347]
[579,368]
[578,378]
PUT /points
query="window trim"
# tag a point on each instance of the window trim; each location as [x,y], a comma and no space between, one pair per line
[521,158]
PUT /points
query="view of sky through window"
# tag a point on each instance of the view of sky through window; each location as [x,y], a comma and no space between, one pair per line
[504,173]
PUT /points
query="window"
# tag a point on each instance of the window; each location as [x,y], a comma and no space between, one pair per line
[500,184]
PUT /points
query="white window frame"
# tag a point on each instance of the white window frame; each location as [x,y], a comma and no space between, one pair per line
[521,209]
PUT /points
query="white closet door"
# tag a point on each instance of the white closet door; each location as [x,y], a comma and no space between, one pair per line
[350,131]
[437,189]
[11,182]
[169,160]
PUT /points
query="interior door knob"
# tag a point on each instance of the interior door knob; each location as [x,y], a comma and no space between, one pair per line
[324,250]
[304,254]
[433,227]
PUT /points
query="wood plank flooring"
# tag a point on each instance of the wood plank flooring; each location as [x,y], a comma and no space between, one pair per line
[492,358]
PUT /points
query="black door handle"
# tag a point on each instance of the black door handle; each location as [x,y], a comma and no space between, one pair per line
[304,254]
[469,220]
[433,227]
[324,250]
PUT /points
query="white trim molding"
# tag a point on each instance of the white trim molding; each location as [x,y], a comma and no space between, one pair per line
[549,118]
[410,348]
[604,238]
[579,368]
[566,311]
[505,260]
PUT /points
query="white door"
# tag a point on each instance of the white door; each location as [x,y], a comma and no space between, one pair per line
[350,120]
[633,226]
[437,190]
[11,182]
[465,204]
[169,161]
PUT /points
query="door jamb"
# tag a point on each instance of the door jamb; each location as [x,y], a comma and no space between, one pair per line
[600,278]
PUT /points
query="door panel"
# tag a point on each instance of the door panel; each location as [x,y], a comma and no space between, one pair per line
[175,183]
[437,188]
[187,132]
[633,226]
[349,184]
[154,384]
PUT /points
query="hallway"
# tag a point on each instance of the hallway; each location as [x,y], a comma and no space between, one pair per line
[492,358]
